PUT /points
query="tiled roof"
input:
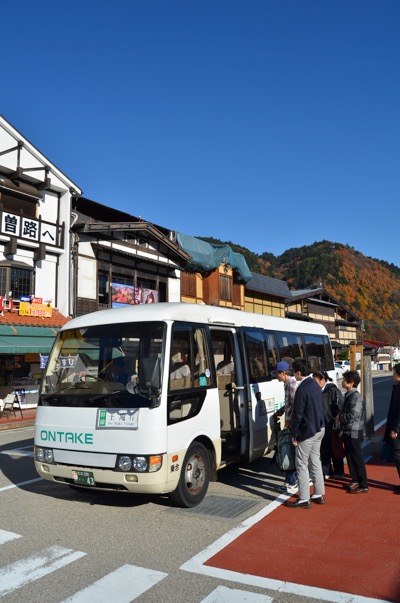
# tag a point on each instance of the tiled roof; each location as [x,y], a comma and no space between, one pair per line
[307,292]
[268,285]
[13,318]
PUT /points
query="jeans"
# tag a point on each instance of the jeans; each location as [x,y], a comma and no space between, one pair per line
[291,477]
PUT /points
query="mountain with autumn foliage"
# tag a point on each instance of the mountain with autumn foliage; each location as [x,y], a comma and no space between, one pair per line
[367,286]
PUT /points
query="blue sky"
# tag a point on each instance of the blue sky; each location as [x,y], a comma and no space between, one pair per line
[269,123]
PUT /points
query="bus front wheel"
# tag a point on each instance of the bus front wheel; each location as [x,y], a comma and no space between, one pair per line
[194,478]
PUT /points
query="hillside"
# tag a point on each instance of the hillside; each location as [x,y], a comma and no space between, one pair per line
[368,286]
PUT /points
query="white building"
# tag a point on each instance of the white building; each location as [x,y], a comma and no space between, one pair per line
[35,243]
[35,198]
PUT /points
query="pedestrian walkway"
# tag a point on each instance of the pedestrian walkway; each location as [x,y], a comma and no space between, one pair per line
[10,421]
[343,551]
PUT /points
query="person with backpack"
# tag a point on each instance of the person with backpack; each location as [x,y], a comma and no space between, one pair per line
[332,399]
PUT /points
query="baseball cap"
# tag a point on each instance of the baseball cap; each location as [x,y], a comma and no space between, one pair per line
[282,366]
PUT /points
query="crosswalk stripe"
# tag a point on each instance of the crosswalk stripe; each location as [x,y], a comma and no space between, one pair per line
[223,594]
[123,585]
[7,536]
[32,568]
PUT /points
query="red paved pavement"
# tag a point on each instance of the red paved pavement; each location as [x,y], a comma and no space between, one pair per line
[11,421]
[350,544]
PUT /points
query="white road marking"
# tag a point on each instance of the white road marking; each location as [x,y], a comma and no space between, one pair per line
[7,536]
[29,481]
[383,379]
[123,585]
[33,568]
[379,425]
[229,595]
[17,452]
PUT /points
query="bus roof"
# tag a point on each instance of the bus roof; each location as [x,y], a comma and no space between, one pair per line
[196,313]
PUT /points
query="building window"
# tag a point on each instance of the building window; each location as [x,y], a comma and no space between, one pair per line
[104,288]
[16,280]
[188,284]
[145,283]
[237,298]
[225,287]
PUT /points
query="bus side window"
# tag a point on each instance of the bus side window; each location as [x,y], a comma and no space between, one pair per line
[256,354]
[316,352]
[272,352]
[291,347]
[189,362]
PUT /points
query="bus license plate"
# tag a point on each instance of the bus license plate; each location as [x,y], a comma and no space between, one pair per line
[84,478]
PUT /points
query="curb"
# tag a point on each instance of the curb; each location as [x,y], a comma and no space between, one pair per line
[17,424]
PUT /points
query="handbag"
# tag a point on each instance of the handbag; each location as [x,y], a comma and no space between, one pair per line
[284,451]
[338,450]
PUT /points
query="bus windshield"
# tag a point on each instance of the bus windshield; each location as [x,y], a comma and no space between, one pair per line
[102,366]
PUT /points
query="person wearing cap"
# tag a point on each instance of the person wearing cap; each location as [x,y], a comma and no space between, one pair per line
[285,376]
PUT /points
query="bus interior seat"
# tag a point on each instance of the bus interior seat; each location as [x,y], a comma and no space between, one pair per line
[181,411]
[181,383]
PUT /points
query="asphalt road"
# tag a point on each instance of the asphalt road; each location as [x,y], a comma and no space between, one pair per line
[58,544]
[382,386]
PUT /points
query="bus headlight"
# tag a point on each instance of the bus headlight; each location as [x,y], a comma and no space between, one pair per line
[124,463]
[44,455]
[49,456]
[140,464]
[39,454]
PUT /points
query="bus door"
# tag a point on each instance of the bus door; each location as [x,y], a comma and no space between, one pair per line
[262,391]
[231,392]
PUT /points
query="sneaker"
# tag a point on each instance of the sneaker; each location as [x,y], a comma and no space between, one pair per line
[292,489]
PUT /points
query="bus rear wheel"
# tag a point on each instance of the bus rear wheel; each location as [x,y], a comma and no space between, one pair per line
[194,478]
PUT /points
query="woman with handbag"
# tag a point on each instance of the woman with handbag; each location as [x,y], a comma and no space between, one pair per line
[332,450]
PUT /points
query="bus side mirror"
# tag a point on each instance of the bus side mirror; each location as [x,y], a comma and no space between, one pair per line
[150,380]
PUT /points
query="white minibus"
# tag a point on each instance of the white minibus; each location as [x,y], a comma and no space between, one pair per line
[155,398]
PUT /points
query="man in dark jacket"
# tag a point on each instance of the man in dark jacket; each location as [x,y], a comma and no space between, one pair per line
[307,430]
[392,432]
